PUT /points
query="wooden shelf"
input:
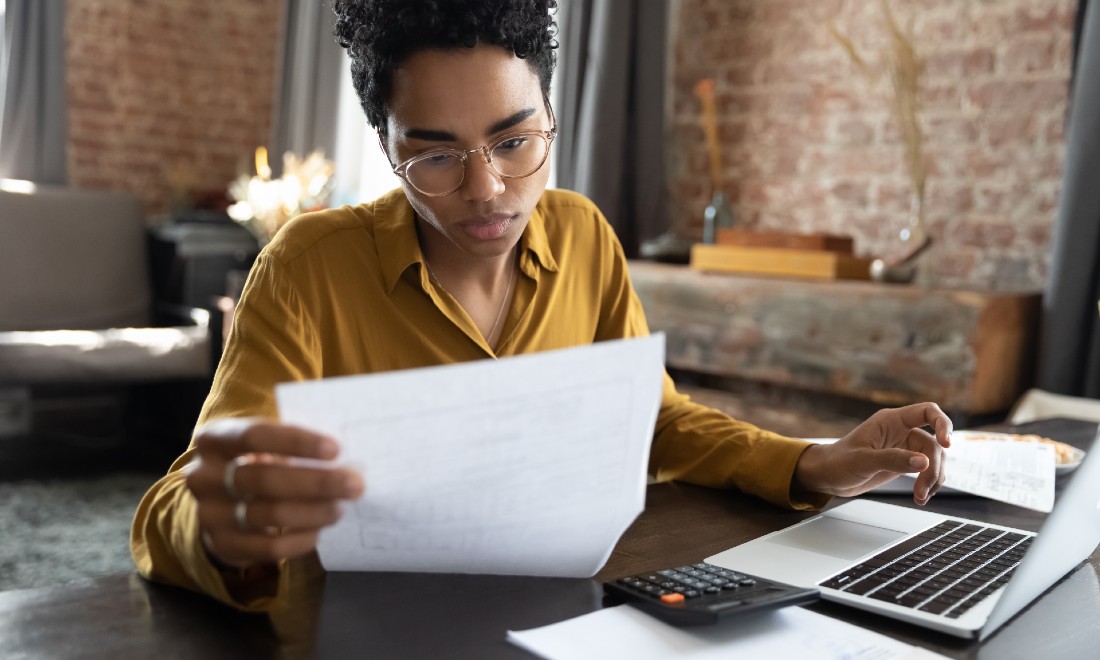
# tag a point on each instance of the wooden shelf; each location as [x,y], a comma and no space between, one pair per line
[971,351]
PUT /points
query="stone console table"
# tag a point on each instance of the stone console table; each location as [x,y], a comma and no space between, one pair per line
[889,344]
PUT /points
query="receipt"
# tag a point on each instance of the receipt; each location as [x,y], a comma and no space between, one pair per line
[1020,473]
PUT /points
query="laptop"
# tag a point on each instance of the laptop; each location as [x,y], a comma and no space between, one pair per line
[961,577]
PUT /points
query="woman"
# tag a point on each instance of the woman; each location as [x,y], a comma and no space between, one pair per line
[471,258]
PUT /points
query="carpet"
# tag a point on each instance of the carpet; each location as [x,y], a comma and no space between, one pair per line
[57,530]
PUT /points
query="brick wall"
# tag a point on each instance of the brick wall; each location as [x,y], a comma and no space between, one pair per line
[810,144]
[163,91]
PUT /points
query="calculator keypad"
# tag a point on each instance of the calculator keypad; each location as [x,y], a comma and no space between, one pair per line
[690,581]
[701,593]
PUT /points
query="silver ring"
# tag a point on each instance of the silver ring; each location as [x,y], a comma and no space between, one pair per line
[240,515]
[229,477]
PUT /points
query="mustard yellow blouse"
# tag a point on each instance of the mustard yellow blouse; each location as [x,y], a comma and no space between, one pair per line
[345,291]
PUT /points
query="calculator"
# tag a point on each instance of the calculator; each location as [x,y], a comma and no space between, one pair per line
[702,594]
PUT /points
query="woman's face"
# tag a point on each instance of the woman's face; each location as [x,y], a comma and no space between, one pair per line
[464,99]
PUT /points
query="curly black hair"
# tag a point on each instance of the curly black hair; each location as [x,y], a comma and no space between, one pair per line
[380,34]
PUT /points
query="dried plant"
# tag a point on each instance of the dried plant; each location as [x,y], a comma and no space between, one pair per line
[263,205]
[904,68]
[704,89]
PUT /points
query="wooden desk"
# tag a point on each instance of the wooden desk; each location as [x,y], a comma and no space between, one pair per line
[453,616]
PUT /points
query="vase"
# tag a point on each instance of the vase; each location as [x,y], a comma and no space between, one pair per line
[718,215]
[914,240]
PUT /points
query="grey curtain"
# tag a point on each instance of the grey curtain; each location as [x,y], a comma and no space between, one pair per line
[1078,26]
[34,126]
[308,82]
[611,111]
[1069,359]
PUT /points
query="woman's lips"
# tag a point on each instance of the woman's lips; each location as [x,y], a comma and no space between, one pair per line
[488,227]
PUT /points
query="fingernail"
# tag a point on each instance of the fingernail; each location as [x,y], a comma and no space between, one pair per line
[353,484]
[329,447]
[916,462]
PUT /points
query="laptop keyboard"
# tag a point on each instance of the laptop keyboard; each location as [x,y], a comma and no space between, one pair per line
[945,570]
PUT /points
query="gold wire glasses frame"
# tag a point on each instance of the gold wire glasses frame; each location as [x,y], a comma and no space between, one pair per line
[441,171]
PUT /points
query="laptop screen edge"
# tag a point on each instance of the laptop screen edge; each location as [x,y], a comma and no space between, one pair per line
[1063,542]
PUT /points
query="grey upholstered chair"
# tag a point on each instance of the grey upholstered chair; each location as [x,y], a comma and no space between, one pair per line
[76,315]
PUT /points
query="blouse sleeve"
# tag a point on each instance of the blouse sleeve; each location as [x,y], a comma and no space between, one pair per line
[692,442]
[272,340]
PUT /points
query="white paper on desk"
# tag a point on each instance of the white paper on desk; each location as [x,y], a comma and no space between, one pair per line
[793,632]
[528,465]
[1020,473]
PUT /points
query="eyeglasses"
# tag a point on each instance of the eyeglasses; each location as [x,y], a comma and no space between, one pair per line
[441,171]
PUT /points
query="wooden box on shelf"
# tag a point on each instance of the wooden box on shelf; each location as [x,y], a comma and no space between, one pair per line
[784,262]
[782,239]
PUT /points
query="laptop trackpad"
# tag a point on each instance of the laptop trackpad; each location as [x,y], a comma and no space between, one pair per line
[838,538]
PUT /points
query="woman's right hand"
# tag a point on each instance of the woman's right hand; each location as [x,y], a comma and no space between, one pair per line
[254,506]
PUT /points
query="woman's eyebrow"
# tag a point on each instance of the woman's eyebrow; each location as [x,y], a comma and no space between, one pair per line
[432,135]
[510,121]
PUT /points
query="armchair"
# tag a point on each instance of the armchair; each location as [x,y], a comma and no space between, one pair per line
[79,335]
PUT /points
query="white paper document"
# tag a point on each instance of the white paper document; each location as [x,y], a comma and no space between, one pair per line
[527,465]
[792,632]
[1020,473]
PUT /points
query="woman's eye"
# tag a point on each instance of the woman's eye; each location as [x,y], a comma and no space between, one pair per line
[438,160]
[512,144]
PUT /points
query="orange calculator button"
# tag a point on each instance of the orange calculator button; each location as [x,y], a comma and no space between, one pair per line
[672,598]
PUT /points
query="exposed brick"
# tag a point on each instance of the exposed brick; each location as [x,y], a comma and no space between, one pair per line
[738,74]
[979,61]
[1004,130]
[950,265]
[949,198]
[1029,55]
[832,99]
[855,130]
[950,130]
[942,28]
[984,234]
[850,193]
[795,102]
[1045,17]
[153,84]
[999,199]
[943,96]
[1020,95]
[1055,130]
[873,160]
[815,145]
[893,196]
[1039,234]
[732,131]
[949,64]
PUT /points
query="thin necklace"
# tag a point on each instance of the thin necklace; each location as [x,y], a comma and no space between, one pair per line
[503,303]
